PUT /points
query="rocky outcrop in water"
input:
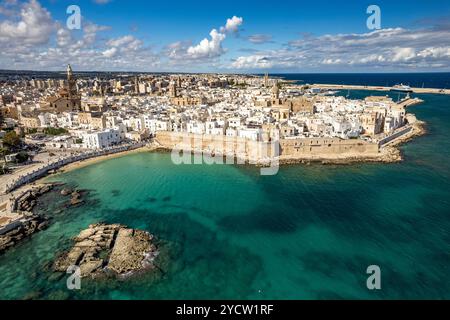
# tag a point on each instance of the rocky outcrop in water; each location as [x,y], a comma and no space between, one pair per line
[75,197]
[28,225]
[21,222]
[28,200]
[109,249]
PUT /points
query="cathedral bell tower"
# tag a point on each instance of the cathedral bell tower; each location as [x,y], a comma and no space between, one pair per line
[71,85]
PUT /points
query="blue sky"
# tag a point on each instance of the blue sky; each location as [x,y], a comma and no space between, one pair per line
[273,36]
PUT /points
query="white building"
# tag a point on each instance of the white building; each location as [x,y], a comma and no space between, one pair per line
[195,127]
[101,139]
[250,134]
[62,142]
[234,122]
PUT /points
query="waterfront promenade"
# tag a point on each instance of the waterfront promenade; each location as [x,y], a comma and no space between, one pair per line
[377,88]
[36,173]
[44,163]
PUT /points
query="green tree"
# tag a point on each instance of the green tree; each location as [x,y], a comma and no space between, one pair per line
[22,157]
[11,139]
[55,131]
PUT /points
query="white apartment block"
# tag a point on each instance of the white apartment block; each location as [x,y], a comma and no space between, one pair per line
[101,139]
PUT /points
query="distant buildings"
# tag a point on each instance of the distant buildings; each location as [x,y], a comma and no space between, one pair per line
[99,113]
[67,99]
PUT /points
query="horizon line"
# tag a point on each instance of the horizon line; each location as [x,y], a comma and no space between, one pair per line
[226,73]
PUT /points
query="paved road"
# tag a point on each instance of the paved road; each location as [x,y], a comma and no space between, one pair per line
[39,160]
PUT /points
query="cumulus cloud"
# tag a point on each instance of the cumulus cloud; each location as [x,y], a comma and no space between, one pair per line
[208,48]
[386,49]
[35,25]
[126,43]
[177,50]
[252,62]
[31,39]
[232,24]
[63,37]
[111,52]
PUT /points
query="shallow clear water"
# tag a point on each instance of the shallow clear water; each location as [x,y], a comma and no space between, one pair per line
[309,232]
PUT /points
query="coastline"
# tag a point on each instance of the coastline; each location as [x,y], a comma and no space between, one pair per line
[388,154]
[85,163]
[5,199]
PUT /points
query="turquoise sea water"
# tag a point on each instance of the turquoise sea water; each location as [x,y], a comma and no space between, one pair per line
[225,232]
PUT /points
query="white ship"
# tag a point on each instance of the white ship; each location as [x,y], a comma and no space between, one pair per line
[402,88]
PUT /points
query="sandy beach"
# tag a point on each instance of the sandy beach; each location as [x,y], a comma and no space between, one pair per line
[88,162]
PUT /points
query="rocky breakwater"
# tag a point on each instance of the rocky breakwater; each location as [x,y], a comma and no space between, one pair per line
[114,249]
[22,226]
[21,223]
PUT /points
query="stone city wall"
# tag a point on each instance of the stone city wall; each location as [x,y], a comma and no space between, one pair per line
[256,151]
[326,147]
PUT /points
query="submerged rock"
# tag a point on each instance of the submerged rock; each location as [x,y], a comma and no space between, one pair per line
[76,198]
[66,192]
[103,249]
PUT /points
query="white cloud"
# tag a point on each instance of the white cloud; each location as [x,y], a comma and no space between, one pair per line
[109,53]
[403,54]
[387,49]
[34,27]
[435,52]
[31,39]
[208,48]
[252,62]
[332,61]
[125,41]
[63,37]
[90,32]
[232,24]
[260,38]
[55,45]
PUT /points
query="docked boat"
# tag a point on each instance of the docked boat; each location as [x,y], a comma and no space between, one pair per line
[402,88]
